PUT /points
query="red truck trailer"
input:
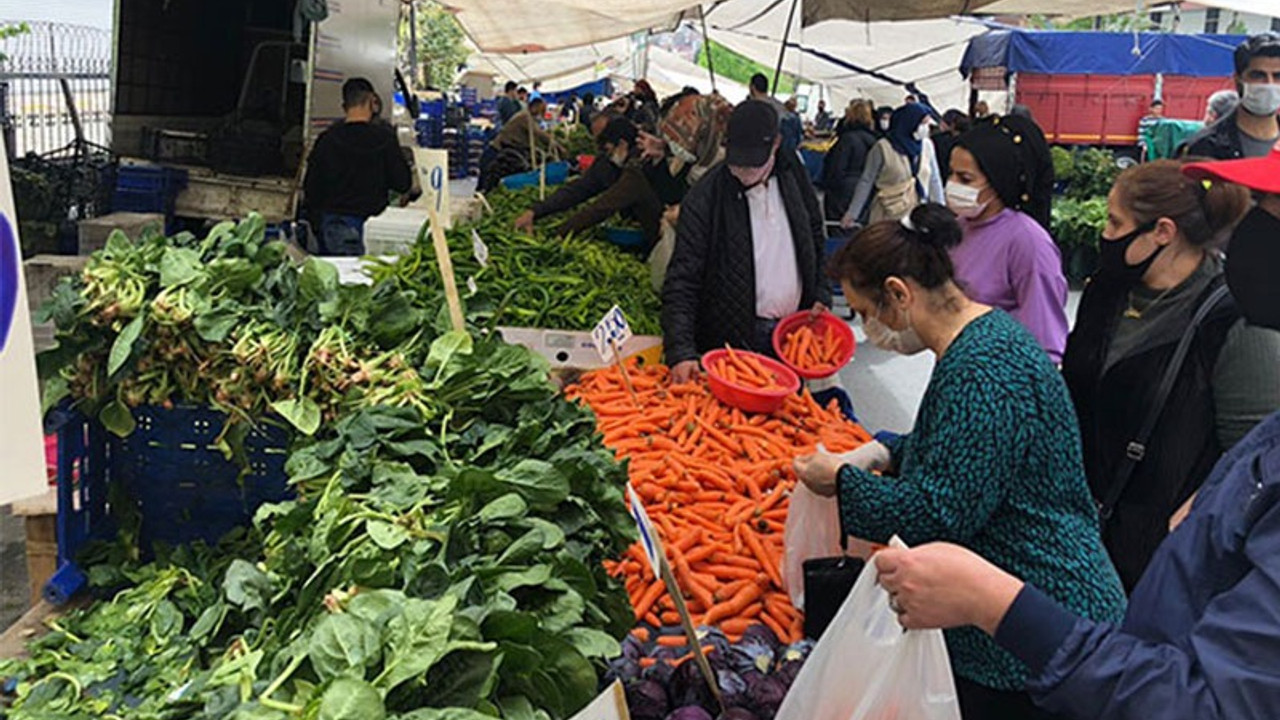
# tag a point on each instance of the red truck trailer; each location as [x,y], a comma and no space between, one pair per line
[1092,88]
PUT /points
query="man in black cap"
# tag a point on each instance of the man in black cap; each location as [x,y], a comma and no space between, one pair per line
[749,247]
[352,170]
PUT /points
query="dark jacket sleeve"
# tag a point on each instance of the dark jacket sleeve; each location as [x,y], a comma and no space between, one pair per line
[594,181]
[835,163]
[682,289]
[399,176]
[817,226]
[617,197]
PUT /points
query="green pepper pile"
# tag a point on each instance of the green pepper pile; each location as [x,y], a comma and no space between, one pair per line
[535,280]
[442,559]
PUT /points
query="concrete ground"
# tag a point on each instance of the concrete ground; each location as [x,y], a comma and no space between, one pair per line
[13,568]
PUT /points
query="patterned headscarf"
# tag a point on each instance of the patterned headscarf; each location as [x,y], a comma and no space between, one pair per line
[694,128]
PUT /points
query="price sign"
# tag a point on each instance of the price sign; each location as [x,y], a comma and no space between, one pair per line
[610,705]
[648,537]
[479,249]
[611,332]
[433,178]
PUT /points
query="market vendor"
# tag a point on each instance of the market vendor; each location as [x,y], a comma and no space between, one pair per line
[509,152]
[748,249]
[993,462]
[614,185]
[353,168]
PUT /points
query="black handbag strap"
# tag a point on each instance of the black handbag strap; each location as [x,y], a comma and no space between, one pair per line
[1136,450]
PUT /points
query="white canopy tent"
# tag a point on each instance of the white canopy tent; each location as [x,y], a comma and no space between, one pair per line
[556,69]
[513,26]
[669,73]
[854,59]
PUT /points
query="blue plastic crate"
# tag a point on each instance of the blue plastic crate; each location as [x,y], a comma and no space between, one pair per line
[170,471]
[147,188]
[557,173]
[624,237]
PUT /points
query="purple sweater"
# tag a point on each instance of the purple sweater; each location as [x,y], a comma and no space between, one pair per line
[1011,263]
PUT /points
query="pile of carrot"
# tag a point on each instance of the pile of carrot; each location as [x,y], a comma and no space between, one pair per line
[716,483]
[744,368]
[812,351]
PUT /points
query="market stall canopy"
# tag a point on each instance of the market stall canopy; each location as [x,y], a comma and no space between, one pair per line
[854,59]
[514,26]
[669,73]
[556,69]
[1102,53]
[816,11]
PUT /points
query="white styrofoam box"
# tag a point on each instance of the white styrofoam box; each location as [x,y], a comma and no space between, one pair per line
[570,349]
[43,272]
[394,230]
[351,270]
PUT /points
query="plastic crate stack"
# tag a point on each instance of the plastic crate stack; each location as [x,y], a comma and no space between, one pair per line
[173,475]
[148,189]
[455,141]
[430,124]
[477,139]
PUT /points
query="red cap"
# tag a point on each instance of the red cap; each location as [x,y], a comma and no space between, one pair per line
[1261,174]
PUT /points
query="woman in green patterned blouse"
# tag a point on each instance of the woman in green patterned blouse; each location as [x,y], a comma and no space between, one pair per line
[994,461]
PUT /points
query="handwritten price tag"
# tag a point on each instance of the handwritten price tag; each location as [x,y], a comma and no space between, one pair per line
[612,330]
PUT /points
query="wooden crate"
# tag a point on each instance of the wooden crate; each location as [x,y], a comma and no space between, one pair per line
[40,514]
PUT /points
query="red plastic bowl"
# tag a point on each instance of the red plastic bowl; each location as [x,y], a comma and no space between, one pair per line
[585,162]
[743,397]
[843,335]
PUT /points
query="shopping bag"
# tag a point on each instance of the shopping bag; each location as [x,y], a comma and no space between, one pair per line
[827,582]
[812,531]
[660,255]
[866,667]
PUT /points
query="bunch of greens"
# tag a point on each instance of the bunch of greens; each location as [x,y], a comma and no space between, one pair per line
[1078,223]
[232,323]
[1092,172]
[534,280]
[442,568]
[576,140]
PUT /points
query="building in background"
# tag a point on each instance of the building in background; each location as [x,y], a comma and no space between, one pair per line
[1192,18]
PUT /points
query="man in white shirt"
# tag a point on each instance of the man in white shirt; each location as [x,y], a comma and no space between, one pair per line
[749,247]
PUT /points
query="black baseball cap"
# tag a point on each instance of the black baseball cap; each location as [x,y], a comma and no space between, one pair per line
[753,128]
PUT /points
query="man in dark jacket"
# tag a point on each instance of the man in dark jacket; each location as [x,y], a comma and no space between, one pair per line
[615,183]
[508,104]
[749,247]
[352,170]
[1251,129]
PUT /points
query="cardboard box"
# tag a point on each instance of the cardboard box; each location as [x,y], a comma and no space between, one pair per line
[94,231]
[571,350]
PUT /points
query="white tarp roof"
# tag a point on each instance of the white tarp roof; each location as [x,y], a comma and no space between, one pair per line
[536,25]
[669,73]
[557,69]
[926,52]
[816,11]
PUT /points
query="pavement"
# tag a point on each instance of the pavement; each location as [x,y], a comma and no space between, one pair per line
[13,568]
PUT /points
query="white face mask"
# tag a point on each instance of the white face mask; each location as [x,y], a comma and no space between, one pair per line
[903,342]
[884,125]
[963,200]
[619,155]
[1261,98]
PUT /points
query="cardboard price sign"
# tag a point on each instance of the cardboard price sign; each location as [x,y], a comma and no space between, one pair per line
[611,333]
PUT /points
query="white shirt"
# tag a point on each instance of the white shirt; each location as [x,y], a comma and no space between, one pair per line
[778,288]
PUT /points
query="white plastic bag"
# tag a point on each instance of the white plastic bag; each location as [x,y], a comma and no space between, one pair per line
[866,667]
[812,531]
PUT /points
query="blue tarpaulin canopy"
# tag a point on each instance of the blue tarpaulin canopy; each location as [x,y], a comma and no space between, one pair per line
[1102,53]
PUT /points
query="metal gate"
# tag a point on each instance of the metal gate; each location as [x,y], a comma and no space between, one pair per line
[54,77]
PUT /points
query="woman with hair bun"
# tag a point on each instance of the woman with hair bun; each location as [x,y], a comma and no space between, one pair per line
[993,462]
[1007,259]
[1159,268]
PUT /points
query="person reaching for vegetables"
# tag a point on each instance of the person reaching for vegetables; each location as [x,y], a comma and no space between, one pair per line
[615,184]
[1200,640]
[994,460]
[749,246]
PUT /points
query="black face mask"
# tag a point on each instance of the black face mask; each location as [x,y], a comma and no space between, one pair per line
[1111,263]
[1253,258]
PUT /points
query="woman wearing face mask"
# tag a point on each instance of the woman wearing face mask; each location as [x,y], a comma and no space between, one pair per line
[1007,259]
[901,170]
[1158,270]
[993,462]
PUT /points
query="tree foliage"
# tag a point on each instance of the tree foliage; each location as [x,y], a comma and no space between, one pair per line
[441,45]
[740,68]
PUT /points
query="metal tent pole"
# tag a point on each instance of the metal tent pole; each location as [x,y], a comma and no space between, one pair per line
[782,51]
[706,43]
